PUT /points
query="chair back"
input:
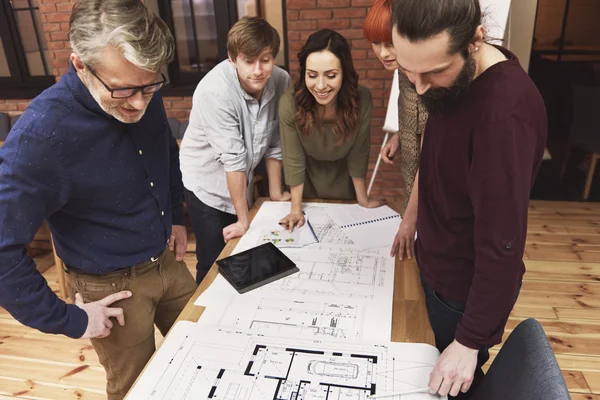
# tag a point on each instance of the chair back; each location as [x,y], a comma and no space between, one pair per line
[524,369]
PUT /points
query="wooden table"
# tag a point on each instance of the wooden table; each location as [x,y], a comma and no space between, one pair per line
[409,316]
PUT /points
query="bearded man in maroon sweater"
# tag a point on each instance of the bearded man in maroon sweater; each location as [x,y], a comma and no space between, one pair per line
[481,151]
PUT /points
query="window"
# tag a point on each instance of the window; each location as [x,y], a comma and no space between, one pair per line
[200,29]
[25,68]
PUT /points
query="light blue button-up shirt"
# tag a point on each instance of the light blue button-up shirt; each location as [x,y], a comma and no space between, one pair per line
[229,131]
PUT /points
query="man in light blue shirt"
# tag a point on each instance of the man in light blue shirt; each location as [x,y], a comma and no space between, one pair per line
[233,126]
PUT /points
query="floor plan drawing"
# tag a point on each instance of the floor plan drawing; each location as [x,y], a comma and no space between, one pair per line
[208,362]
[339,291]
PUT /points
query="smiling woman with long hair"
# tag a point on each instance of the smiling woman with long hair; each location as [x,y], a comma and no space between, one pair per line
[324,123]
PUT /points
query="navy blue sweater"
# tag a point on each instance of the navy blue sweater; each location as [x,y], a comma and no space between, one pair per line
[110,193]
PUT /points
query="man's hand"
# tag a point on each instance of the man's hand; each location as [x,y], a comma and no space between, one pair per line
[371,203]
[234,230]
[389,150]
[178,241]
[404,243]
[295,219]
[285,196]
[99,314]
[454,370]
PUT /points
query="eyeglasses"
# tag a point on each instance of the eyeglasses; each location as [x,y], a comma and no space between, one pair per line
[124,93]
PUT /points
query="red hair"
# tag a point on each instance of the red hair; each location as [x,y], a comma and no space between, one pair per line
[378,23]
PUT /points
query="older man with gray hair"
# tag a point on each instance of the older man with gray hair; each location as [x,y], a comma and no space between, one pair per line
[94,156]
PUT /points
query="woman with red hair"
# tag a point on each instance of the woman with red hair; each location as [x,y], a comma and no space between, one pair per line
[412,117]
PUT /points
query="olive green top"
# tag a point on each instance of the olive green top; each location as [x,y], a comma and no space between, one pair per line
[319,161]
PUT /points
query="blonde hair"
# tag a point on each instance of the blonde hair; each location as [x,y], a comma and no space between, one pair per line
[251,36]
[129,26]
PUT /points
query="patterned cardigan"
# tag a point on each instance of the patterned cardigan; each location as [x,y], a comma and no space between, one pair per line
[412,117]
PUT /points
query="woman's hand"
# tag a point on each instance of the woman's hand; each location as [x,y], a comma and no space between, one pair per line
[389,150]
[293,219]
[372,203]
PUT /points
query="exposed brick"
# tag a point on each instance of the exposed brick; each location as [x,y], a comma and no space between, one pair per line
[359,54]
[349,12]
[304,35]
[334,24]
[62,54]
[22,106]
[47,9]
[362,3]
[51,27]
[378,103]
[293,36]
[301,4]
[315,14]
[357,23]
[64,26]
[56,45]
[361,44]
[293,15]
[295,46]
[58,17]
[182,105]
[8,107]
[333,3]
[66,7]
[372,83]
[380,74]
[379,112]
[351,33]
[302,25]
[59,36]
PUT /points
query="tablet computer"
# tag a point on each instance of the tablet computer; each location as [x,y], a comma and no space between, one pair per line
[256,267]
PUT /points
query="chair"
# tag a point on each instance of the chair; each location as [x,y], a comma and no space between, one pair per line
[585,130]
[14,119]
[524,369]
[4,126]
[174,124]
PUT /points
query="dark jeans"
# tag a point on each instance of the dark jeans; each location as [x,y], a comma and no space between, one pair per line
[207,224]
[444,316]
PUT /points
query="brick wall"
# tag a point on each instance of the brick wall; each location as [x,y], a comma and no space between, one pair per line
[347,17]
[303,18]
[55,20]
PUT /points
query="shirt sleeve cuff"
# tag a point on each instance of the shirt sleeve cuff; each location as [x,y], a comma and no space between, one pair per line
[77,322]
[177,215]
[274,153]
[463,339]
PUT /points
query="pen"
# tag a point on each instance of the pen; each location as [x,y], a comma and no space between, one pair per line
[400,393]
[310,227]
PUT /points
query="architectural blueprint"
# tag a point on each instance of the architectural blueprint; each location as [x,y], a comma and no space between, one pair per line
[270,213]
[340,292]
[208,362]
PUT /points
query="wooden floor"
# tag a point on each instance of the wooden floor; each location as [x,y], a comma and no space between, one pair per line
[561,290]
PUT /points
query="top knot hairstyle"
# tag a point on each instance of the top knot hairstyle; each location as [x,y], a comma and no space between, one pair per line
[129,26]
[421,19]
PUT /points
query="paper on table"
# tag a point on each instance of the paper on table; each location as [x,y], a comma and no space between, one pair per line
[201,361]
[340,292]
[367,227]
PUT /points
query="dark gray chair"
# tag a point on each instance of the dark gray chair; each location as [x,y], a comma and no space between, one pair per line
[524,369]
[4,126]
[14,119]
[585,130]
[174,124]
[182,128]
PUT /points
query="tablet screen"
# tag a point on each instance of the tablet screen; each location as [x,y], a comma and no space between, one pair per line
[256,267]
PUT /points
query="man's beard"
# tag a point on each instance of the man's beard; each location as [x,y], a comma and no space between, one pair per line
[439,100]
[113,109]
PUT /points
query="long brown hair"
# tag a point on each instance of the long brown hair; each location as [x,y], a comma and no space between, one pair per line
[347,105]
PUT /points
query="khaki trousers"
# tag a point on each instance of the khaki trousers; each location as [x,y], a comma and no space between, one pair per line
[160,290]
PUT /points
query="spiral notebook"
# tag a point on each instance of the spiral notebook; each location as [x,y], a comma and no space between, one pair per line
[367,227]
